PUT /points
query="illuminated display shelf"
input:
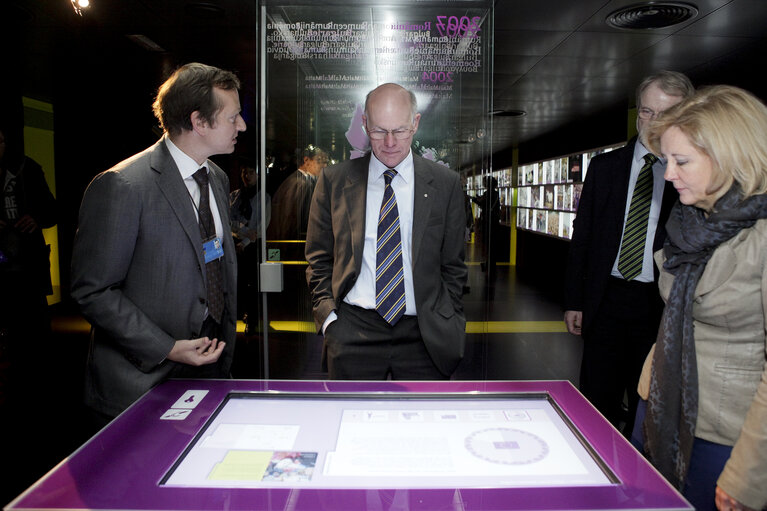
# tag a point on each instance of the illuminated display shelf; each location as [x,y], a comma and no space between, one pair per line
[548,192]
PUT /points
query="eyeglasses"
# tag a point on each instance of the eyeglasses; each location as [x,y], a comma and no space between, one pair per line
[399,134]
[647,113]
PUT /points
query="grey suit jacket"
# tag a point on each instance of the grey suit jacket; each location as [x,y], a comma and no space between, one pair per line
[335,240]
[138,275]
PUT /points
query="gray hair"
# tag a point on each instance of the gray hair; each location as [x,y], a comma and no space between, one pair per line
[672,83]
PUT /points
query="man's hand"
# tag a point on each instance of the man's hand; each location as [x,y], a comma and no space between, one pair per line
[726,503]
[574,320]
[26,224]
[196,352]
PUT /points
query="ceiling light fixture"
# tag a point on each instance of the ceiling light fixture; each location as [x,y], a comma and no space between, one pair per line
[80,5]
[651,15]
[145,42]
[508,113]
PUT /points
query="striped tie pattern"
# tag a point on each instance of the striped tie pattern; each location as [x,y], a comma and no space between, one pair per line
[390,275]
[213,269]
[635,231]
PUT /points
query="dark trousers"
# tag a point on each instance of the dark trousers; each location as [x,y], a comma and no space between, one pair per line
[360,345]
[615,345]
[706,464]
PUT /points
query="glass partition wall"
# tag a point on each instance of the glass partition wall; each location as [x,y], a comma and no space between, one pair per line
[318,60]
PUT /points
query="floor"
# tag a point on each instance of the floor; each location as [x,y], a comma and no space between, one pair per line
[515,332]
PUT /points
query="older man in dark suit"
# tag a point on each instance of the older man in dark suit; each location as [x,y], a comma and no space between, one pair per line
[611,291]
[154,267]
[385,248]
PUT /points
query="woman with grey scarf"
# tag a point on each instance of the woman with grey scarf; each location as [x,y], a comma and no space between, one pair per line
[705,427]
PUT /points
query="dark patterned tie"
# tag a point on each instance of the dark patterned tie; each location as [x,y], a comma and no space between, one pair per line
[390,276]
[213,270]
[635,231]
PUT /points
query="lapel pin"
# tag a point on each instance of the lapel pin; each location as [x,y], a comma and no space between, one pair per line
[426,195]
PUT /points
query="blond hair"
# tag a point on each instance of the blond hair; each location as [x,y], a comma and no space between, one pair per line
[727,124]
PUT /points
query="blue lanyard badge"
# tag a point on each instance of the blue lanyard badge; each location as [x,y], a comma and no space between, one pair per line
[212,249]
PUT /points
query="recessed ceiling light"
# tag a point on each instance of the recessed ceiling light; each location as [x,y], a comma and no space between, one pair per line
[80,5]
[204,10]
[651,15]
[508,113]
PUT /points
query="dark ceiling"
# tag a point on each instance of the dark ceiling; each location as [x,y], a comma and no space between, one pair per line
[556,60]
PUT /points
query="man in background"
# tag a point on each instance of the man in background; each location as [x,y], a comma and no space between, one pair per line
[293,198]
[611,292]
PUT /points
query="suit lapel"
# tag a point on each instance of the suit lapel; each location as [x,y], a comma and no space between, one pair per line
[222,197]
[622,187]
[173,188]
[355,195]
[424,195]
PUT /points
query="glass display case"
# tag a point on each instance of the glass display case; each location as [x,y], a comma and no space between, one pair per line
[201,445]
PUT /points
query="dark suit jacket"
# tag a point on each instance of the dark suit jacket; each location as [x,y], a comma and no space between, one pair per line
[138,275]
[598,228]
[290,207]
[335,241]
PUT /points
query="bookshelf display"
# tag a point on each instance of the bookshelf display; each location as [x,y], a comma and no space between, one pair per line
[548,193]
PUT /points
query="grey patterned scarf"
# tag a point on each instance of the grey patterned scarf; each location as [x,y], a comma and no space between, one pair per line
[672,407]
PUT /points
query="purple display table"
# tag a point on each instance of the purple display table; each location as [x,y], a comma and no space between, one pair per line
[210,445]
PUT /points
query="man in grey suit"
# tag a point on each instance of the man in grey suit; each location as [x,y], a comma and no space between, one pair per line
[421,333]
[154,267]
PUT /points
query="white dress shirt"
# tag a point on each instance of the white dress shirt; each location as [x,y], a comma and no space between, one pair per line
[187,167]
[363,293]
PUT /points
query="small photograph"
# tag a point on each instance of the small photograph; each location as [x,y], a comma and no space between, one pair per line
[567,225]
[563,170]
[522,218]
[559,197]
[553,223]
[537,196]
[575,164]
[540,221]
[291,466]
[577,188]
[523,197]
[548,196]
[567,197]
[554,171]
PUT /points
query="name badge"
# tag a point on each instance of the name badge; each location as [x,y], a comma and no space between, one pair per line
[212,249]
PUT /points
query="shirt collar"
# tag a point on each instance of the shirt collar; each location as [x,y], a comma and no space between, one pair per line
[639,152]
[404,169]
[186,165]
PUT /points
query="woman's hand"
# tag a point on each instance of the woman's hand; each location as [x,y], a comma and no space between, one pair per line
[726,503]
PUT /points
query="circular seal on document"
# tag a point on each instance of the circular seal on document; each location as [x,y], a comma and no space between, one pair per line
[506,446]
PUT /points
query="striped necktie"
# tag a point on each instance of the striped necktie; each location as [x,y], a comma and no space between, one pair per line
[390,275]
[635,230]
[213,269]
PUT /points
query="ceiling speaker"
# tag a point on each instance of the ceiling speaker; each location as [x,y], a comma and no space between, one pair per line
[651,15]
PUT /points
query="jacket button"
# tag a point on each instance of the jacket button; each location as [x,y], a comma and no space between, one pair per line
[202,301]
